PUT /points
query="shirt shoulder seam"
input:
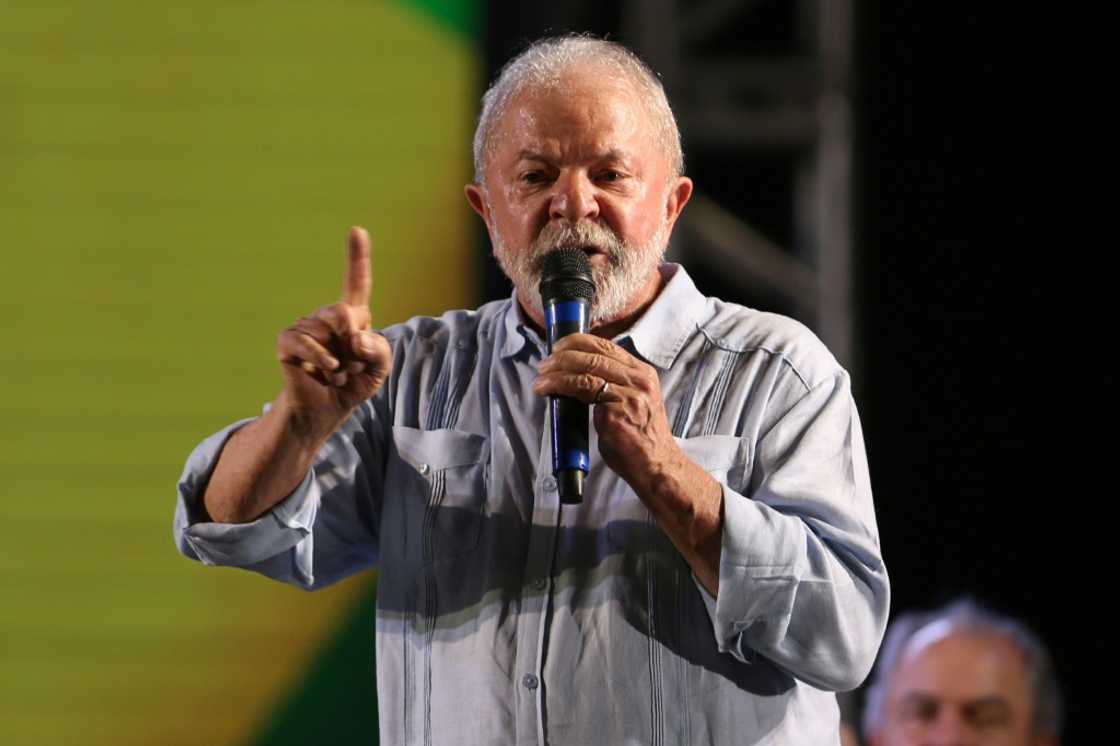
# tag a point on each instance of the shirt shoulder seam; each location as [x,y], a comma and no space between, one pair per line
[756,348]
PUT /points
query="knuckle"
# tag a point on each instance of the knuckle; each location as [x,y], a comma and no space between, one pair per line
[329,315]
[347,315]
[318,329]
[612,418]
[372,345]
[289,341]
[383,353]
[340,312]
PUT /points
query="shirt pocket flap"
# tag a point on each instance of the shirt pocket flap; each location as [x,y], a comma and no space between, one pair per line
[439,449]
[725,457]
[445,488]
[716,453]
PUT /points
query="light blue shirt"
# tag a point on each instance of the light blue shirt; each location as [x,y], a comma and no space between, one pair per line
[504,618]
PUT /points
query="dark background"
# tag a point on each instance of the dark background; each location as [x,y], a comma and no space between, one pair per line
[966,375]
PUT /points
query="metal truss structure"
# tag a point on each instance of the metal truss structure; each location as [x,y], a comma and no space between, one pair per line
[741,97]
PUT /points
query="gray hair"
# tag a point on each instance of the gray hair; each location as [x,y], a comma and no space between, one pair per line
[967,615]
[543,63]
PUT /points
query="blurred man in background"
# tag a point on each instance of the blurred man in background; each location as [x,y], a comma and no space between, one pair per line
[962,676]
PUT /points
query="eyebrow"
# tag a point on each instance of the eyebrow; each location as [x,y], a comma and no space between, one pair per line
[919,697]
[992,700]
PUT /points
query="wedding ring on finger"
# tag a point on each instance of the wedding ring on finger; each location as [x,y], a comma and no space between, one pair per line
[602,390]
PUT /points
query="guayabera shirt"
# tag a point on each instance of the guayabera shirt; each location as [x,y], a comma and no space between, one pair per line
[506,618]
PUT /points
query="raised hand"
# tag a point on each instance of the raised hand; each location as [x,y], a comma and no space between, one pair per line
[331,363]
[331,360]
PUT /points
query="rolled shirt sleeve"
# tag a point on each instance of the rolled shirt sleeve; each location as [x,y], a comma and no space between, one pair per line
[802,581]
[287,543]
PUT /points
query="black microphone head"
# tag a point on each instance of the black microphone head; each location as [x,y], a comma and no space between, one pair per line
[566,275]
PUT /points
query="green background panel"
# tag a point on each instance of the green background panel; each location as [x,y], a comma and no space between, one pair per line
[176,183]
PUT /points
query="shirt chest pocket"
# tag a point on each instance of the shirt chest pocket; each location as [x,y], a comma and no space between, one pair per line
[447,471]
[725,457]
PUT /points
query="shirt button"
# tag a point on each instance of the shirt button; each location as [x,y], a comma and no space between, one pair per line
[538,584]
[549,484]
[424,468]
[529,681]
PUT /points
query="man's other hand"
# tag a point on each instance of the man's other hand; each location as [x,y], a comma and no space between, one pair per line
[636,442]
[634,435]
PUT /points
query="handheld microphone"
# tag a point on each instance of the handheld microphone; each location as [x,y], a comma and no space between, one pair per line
[567,291]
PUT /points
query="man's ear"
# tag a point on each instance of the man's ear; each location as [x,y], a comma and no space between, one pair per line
[679,194]
[477,201]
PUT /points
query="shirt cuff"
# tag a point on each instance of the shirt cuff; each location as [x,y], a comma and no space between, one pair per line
[287,525]
[750,584]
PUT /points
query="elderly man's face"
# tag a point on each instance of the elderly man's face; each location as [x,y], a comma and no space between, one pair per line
[577,164]
[962,689]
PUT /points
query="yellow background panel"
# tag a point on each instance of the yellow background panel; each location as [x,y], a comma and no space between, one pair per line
[176,183]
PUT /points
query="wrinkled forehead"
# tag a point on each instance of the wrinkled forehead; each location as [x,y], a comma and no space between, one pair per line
[590,99]
[576,100]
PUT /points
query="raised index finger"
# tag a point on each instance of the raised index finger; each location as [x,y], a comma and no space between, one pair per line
[355,288]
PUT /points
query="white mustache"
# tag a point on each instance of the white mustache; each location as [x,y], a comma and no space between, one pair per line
[580,235]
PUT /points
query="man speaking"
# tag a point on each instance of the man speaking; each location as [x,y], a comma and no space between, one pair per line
[721,574]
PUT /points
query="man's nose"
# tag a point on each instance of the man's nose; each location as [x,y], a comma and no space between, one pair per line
[573,198]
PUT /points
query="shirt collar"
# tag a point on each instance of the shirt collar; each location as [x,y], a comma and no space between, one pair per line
[518,330]
[657,336]
[671,319]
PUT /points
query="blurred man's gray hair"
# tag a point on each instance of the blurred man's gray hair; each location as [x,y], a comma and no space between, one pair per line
[544,63]
[967,616]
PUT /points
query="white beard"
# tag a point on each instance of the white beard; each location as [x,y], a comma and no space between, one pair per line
[617,283]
